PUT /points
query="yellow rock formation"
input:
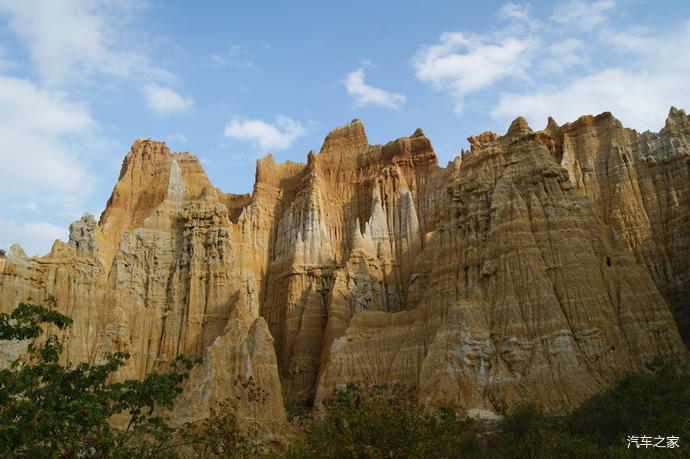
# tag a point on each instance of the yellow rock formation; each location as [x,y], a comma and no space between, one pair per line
[539,266]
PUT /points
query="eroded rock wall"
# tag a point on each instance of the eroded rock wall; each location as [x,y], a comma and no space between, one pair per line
[538,265]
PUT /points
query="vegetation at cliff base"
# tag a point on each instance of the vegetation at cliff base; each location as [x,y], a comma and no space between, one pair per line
[381,421]
[48,409]
[384,422]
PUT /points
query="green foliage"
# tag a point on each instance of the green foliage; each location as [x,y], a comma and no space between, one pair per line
[652,403]
[656,403]
[527,432]
[24,322]
[49,410]
[221,434]
[382,421]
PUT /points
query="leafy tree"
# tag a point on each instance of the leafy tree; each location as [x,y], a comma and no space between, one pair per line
[527,432]
[656,402]
[381,421]
[387,422]
[653,403]
[50,410]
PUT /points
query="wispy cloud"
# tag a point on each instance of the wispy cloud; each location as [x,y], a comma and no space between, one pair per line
[547,68]
[166,101]
[73,39]
[38,131]
[564,54]
[37,237]
[646,73]
[49,134]
[582,14]
[235,56]
[464,63]
[279,135]
[364,94]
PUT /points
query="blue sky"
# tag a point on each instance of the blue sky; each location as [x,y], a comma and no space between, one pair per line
[233,81]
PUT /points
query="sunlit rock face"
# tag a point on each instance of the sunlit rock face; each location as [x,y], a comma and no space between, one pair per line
[538,265]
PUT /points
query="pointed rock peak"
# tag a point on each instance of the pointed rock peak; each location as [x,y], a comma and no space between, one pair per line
[675,117]
[207,193]
[60,247]
[418,133]
[346,137]
[17,251]
[360,240]
[551,124]
[454,165]
[357,229]
[518,127]
[673,112]
[606,116]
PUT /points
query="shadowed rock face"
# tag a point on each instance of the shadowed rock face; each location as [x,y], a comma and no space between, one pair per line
[539,265]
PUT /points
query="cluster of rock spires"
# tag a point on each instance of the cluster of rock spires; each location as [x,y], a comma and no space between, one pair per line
[537,266]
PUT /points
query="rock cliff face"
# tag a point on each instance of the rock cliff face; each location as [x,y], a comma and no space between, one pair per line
[538,265]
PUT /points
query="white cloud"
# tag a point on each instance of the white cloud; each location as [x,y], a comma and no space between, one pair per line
[582,14]
[565,54]
[549,69]
[463,63]
[234,56]
[516,19]
[70,39]
[639,90]
[369,95]
[48,137]
[165,101]
[36,238]
[38,133]
[514,11]
[277,136]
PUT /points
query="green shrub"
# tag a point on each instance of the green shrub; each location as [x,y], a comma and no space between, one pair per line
[387,422]
[50,410]
[221,434]
[527,432]
[652,403]
[383,421]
